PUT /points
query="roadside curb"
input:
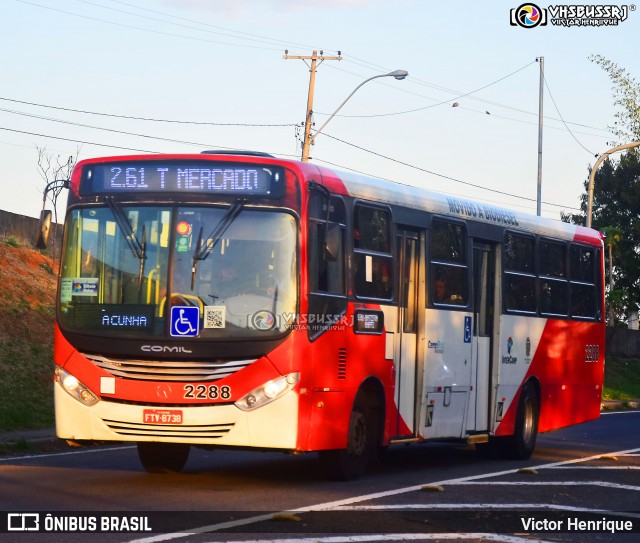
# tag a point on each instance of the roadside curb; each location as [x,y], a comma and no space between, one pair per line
[30,436]
[612,405]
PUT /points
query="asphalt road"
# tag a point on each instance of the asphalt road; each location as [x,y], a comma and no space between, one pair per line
[581,478]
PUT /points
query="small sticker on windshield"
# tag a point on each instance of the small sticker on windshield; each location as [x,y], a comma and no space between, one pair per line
[214,316]
[82,286]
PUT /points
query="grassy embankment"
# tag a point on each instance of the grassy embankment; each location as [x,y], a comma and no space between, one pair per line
[28,285]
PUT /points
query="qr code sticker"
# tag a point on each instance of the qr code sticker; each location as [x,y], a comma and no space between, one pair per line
[214,316]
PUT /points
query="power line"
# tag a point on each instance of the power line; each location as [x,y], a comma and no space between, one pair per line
[73,140]
[108,129]
[148,30]
[443,175]
[145,118]
[253,37]
[78,141]
[445,101]
[562,118]
[497,116]
[288,155]
[271,41]
[497,202]
[451,91]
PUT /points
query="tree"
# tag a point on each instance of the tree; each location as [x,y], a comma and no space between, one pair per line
[616,197]
[615,298]
[626,93]
[616,205]
[56,175]
[51,168]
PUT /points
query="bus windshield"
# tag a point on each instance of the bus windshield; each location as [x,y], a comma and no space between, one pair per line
[125,267]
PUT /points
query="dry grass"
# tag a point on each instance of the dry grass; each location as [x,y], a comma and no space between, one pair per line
[28,289]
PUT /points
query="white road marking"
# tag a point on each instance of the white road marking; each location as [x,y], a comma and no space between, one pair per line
[68,453]
[480,506]
[598,467]
[551,483]
[366,497]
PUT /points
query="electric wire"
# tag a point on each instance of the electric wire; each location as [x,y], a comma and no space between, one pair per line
[455,93]
[253,37]
[112,130]
[159,32]
[445,101]
[260,39]
[546,84]
[496,202]
[449,178]
[75,140]
[460,95]
[114,115]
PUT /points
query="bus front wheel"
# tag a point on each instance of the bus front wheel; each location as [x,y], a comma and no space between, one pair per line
[350,463]
[163,457]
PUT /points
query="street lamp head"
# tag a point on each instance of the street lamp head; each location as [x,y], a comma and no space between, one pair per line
[399,74]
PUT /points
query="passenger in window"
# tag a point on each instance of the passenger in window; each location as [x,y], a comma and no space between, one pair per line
[440,291]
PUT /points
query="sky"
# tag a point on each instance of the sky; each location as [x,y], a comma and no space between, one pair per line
[104,77]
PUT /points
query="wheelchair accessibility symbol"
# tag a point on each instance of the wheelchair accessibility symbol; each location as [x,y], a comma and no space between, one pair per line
[185,321]
[467,329]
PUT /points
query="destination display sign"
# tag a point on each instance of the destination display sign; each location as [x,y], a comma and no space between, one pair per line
[180,176]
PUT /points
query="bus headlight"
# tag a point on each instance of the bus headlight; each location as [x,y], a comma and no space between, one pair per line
[268,392]
[75,388]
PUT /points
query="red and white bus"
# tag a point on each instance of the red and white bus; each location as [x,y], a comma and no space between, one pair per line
[239,300]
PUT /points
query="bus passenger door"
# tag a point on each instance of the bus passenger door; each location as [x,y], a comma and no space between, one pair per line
[483,323]
[410,277]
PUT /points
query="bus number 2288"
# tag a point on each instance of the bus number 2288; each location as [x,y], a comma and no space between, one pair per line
[203,392]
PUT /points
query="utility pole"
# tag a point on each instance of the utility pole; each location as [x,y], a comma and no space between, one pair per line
[314,58]
[539,199]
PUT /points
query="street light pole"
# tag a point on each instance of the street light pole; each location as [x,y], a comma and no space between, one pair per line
[541,94]
[592,177]
[309,138]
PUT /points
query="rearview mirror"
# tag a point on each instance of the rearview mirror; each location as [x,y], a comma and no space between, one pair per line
[44,229]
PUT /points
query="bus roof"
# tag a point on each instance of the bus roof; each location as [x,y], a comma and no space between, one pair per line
[394,193]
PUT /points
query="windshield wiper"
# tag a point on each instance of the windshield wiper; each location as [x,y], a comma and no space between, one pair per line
[143,257]
[137,249]
[202,251]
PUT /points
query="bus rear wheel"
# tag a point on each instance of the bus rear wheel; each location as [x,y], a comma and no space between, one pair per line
[350,463]
[521,444]
[163,457]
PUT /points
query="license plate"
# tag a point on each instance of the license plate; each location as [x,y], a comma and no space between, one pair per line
[162,416]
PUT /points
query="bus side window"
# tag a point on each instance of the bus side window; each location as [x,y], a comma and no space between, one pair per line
[373,260]
[519,274]
[448,271]
[326,252]
[585,303]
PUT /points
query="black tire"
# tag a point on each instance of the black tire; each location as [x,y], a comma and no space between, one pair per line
[521,444]
[351,463]
[163,457]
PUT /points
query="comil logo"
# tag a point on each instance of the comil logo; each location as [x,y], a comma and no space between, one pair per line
[528,16]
